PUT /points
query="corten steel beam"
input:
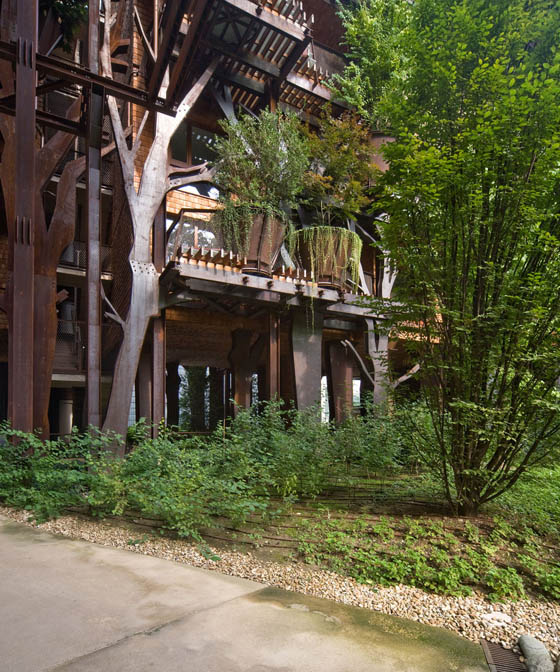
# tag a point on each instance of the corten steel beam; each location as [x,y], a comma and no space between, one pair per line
[179,69]
[93,196]
[244,56]
[266,18]
[273,357]
[143,386]
[307,331]
[340,369]
[171,20]
[158,328]
[39,91]
[20,386]
[48,119]
[71,72]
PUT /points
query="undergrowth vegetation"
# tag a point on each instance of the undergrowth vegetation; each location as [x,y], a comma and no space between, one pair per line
[270,461]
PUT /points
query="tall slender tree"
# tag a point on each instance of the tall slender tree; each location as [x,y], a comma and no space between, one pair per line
[469,89]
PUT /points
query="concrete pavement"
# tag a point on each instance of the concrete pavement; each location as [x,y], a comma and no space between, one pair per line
[74,606]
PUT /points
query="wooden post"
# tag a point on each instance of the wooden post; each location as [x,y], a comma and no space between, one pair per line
[20,390]
[340,371]
[93,196]
[307,334]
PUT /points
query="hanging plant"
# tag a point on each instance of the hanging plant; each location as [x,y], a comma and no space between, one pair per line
[332,254]
[260,165]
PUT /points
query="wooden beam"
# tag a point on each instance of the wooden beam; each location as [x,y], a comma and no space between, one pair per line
[278,23]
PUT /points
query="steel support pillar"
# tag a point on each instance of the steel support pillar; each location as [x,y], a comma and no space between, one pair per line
[93,195]
[158,328]
[20,389]
[241,364]
[340,365]
[307,336]
[273,357]
[143,386]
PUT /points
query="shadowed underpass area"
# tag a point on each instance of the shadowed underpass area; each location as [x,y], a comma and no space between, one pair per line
[71,605]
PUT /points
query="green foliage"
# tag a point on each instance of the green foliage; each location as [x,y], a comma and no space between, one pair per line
[260,166]
[535,500]
[336,186]
[504,583]
[375,30]
[469,90]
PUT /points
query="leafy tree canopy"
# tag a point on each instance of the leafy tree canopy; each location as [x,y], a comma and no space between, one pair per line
[470,90]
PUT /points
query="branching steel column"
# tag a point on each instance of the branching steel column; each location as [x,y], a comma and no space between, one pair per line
[20,395]
[93,183]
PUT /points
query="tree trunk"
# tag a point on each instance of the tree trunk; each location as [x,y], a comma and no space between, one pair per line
[143,306]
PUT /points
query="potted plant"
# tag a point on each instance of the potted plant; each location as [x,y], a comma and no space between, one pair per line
[336,190]
[260,168]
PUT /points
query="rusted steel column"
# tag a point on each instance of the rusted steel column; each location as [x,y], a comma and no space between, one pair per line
[158,328]
[93,195]
[240,360]
[20,390]
[143,386]
[341,367]
[172,385]
[273,357]
[307,334]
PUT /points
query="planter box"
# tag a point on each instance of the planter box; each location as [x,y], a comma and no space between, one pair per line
[261,250]
[327,253]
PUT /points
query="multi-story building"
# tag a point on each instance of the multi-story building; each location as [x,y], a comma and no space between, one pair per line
[67,237]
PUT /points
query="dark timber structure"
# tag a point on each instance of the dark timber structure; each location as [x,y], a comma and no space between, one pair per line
[94,298]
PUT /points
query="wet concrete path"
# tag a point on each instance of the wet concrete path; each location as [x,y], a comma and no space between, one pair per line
[75,606]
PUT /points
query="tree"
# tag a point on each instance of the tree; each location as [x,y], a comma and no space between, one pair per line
[156,178]
[470,93]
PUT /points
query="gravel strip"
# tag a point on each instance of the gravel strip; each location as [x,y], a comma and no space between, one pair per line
[472,617]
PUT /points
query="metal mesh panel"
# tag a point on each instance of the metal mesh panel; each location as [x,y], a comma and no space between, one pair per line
[500,659]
